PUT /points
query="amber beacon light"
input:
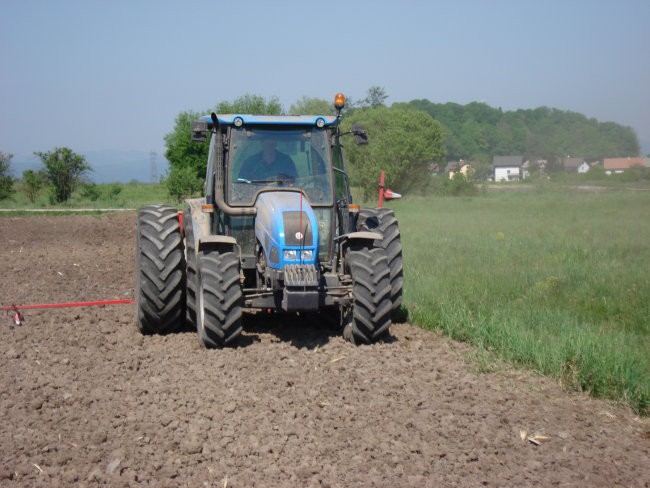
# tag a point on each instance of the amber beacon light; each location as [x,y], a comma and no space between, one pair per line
[339,101]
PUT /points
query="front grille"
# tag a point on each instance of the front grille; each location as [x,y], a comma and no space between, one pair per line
[300,275]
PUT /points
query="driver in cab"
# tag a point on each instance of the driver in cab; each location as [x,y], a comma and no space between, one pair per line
[268,165]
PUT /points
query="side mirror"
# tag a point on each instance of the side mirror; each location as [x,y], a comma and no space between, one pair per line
[360,135]
[199,130]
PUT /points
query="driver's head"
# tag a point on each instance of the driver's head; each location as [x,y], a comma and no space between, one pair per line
[268,149]
[269,143]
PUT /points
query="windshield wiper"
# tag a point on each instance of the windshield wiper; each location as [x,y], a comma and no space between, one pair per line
[244,180]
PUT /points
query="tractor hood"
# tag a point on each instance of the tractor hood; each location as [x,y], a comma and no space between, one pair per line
[287,228]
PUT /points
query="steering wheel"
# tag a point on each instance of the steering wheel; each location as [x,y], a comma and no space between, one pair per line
[285,178]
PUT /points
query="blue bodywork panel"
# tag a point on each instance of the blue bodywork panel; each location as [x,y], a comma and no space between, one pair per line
[248,119]
[277,228]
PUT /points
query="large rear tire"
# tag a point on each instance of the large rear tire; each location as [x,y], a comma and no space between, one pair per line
[160,286]
[383,220]
[369,317]
[219,298]
[190,270]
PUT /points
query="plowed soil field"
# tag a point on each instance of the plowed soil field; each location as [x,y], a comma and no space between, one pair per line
[86,400]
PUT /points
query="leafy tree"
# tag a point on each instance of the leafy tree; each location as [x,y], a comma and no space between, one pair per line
[459,185]
[90,191]
[375,97]
[251,104]
[183,153]
[32,183]
[482,166]
[182,182]
[402,143]
[64,170]
[6,180]
[312,106]
[113,191]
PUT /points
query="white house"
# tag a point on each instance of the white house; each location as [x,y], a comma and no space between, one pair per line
[507,168]
[575,165]
[584,167]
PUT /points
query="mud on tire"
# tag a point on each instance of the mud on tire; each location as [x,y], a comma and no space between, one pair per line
[219,298]
[383,220]
[369,317]
[160,264]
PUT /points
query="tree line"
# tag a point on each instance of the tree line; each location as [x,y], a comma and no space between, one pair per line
[477,132]
[406,139]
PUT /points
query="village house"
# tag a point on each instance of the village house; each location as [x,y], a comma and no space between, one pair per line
[575,165]
[619,165]
[507,168]
[454,167]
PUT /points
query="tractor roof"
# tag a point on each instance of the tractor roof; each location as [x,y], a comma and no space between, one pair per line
[248,119]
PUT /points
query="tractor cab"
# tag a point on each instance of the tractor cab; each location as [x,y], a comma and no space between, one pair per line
[271,159]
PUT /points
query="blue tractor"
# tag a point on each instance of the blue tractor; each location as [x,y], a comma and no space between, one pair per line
[276,230]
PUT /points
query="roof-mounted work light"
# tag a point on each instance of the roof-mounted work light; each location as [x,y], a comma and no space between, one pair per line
[339,101]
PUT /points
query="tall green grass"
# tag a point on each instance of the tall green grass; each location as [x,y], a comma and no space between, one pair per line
[127,195]
[553,280]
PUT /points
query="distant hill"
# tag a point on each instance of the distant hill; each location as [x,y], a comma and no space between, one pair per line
[478,131]
[109,166]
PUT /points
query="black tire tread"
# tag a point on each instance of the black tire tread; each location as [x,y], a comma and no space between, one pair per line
[383,220]
[371,311]
[221,298]
[160,286]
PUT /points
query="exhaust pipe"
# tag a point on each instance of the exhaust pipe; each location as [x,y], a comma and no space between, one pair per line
[219,193]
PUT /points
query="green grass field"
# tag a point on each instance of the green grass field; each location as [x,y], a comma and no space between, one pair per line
[553,280]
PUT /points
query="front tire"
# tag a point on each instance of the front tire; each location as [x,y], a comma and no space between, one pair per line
[369,317]
[383,220]
[219,298]
[160,286]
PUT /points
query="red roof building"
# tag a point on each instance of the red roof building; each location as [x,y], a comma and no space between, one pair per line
[621,164]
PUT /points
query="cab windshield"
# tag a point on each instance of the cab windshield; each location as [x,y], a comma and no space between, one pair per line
[264,159]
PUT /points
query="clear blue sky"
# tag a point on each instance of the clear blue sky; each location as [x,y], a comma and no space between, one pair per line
[95,75]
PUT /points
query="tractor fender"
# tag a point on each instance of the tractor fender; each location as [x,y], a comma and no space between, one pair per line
[203,238]
[222,243]
[359,237]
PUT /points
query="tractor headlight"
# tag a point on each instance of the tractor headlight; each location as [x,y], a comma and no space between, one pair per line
[294,254]
[290,255]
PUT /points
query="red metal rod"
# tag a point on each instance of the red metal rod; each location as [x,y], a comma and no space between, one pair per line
[68,305]
[380,202]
